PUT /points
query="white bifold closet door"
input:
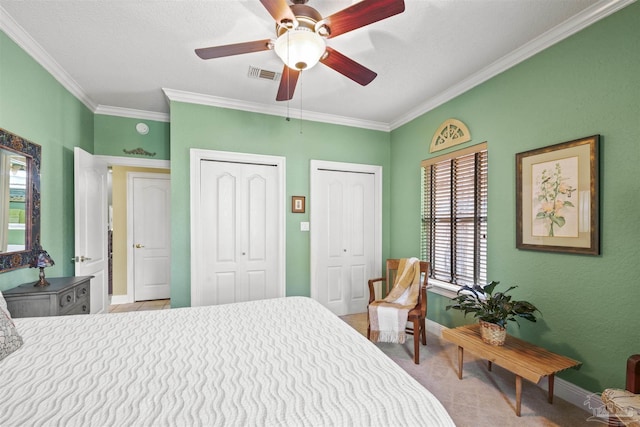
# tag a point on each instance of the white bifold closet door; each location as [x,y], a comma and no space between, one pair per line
[239,225]
[343,221]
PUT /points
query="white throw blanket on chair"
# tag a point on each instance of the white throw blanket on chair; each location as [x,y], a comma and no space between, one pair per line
[388,317]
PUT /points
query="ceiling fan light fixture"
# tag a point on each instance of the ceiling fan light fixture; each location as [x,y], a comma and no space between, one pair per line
[300,49]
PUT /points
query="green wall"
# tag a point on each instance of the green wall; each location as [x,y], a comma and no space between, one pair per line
[36,107]
[113,135]
[197,126]
[588,84]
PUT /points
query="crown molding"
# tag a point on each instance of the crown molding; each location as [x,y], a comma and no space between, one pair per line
[587,17]
[131,113]
[234,104]
[32,48]
[16,33]
[582,20]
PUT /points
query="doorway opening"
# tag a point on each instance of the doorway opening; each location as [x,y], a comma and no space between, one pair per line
[120,290]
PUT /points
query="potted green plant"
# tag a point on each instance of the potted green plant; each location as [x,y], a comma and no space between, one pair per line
[493,310]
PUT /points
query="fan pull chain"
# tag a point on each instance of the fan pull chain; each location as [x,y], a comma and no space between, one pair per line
[300,93]
[288,118]
[288,71]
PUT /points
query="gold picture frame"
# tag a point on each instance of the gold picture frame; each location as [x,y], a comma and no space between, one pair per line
[557,198]
[297,204]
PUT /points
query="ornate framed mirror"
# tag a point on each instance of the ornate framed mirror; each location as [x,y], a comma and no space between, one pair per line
[19,200]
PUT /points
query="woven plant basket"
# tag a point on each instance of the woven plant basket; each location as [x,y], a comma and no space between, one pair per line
[492,333]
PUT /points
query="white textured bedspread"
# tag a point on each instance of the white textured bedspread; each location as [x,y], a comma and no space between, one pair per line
[285,361]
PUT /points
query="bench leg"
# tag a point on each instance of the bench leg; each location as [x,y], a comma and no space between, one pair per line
[518,394]
[460,361]
[551,381]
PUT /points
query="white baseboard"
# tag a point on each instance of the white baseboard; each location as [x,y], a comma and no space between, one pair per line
[121,299]
[573,394]
[435,327]
[563,389]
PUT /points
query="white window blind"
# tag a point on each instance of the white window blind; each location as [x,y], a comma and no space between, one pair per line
[454,216]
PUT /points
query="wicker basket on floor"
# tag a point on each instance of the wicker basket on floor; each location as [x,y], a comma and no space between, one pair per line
[492,333]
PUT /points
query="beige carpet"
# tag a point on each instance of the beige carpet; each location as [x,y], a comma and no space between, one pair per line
[481,398]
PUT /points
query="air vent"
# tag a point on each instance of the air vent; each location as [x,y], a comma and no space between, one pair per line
[259,73]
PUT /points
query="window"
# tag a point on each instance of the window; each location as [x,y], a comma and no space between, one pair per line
[454,217]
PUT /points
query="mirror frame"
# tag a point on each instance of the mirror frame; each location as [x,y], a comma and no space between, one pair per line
[32,153]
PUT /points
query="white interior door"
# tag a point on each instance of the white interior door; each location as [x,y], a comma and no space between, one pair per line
[91,225]
[344,233]
[238,225]
[149,210]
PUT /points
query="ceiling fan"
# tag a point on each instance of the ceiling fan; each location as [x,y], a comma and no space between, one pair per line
[301,32]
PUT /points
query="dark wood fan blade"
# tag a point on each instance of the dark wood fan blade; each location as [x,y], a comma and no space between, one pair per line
[348,67]
[288,83]
[280,10]
[233,49]
[360,14]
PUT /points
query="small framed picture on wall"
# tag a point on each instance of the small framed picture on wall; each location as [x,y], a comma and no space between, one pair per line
[297,204]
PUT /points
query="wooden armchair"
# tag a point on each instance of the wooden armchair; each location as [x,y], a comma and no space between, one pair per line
[417,315]
[624,405]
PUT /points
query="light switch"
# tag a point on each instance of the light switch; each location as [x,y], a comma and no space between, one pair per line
[304,226]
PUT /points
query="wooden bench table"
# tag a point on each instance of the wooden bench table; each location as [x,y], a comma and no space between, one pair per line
[525,360]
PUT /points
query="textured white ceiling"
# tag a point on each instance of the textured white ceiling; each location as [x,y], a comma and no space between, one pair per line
[119,54]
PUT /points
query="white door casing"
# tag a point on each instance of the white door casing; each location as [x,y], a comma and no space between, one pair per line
[131,162]
[346,230]
[149,239]
[91,223]
[237,227]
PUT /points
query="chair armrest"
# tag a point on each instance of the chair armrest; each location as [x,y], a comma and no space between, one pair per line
[633,374]
[372,293]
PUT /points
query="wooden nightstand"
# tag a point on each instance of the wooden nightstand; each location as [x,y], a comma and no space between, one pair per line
[63,296]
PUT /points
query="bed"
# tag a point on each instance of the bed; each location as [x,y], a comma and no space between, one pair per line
[286,361]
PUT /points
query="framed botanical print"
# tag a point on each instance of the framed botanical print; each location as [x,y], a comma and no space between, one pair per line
[557,198]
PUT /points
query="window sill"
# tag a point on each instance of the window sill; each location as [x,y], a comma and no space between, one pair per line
[447,293]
